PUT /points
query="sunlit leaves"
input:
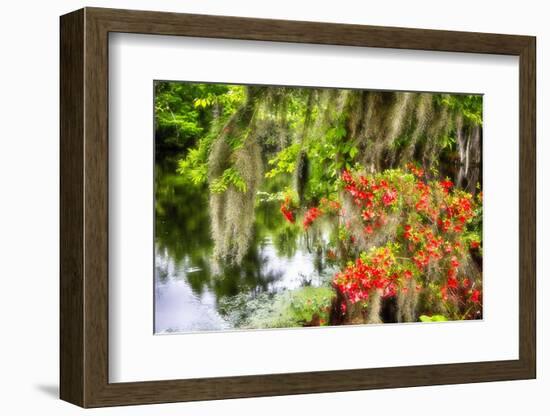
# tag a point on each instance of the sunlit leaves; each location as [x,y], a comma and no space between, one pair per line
[469,106]
[284,161]
[230,176]
[433,318]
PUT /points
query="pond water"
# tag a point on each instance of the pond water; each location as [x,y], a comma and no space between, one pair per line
[191,293]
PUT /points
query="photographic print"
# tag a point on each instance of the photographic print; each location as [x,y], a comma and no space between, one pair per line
[291,207]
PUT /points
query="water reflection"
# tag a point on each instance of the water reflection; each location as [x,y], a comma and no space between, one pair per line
[189,295]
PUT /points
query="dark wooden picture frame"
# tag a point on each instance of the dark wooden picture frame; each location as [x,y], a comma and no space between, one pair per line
[84,218]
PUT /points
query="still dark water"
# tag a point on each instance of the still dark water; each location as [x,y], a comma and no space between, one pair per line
[189,295]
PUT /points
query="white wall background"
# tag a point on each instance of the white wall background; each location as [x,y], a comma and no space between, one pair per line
[29,159]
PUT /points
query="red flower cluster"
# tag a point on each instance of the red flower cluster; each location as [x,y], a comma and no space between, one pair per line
[434,217]
[373,196]
[446,185]
[423,199]
[326,206]
[375,271]
[416,171]
[458,211]
[460,291]
[389,197]
[285,210]
[311,215]
[329,206]
[424,246]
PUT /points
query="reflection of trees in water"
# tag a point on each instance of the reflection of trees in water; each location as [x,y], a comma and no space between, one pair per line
[288,238]
[182,232]
[181,220]
[232,280]
[285,241]
[161,273]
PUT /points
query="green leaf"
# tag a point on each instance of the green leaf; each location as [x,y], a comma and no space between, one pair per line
[433,318]
[230,176]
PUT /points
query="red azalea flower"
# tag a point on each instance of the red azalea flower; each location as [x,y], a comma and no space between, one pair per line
[452,282]
[451,273]
[334,205]
[287,214]
[443,291]
[389,197]
[346,176]
[418,172]
[311,215]
[454,262]
[367,214]
[446,185]
[390,291]
[475,296]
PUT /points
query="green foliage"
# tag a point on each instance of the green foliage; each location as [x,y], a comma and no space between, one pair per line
[311,305]
[179,123]
[433,318]
[447,142]
[230,176]
[206,107]
[271,196]
[284,161]
[227,98]
[194,166]
[331,154]
[470,106]
[306,306]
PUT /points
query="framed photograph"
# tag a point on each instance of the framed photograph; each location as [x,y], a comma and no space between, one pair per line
[255,207]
